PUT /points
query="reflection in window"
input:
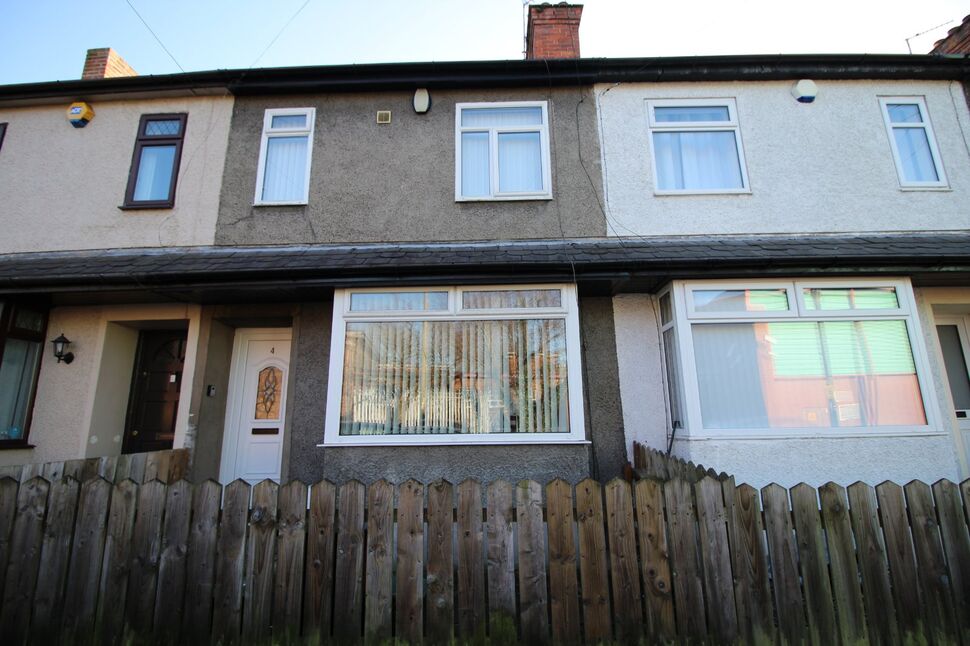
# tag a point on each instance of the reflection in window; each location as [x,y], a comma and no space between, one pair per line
[504,299]
[17,375]
[851,298]
[268,393]
[741,300]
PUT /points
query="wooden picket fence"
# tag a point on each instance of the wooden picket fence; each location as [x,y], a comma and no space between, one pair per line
[675,561]
[651,463]
[167,466]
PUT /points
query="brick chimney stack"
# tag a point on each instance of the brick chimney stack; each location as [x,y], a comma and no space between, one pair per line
[553,31]
[104,63]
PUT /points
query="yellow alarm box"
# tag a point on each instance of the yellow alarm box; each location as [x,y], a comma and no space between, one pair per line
[79,114]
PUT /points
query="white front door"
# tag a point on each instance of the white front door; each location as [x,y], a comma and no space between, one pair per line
[252,447]
[954,335]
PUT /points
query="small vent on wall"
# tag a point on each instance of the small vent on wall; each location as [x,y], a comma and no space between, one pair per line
[383,116]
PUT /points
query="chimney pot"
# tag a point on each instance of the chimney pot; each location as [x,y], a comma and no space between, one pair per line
[105,63]
[553,31]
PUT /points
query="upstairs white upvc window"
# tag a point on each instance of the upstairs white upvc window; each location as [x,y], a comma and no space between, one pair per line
[285,151]
[804,358]
[913,144]
[696,147]
[446,365]
[502,151]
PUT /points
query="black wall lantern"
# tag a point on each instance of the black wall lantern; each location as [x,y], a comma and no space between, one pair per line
[60,344]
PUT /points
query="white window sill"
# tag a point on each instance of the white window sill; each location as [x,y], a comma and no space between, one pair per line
[742,191]
[802,434]
[505,198]
[932,189]
[446,442]
[279,203]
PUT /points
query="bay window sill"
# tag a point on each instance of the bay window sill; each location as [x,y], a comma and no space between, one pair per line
[806,434]
[423,442]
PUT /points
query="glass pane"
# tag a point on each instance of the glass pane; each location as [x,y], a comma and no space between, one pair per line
[511,298]
[474,164]
[17,372]
[269,386]
[851,298]
[25,319]
[288,121]
[692,113]
[284,175]
[673,377]
[666,313]
[697,160]
[488,117]
[399,301]
[155,168]
[904,113]
[807,375]
[915,155]
[519,162]
[454,377]
[740,300]
[956,365]
[163,128]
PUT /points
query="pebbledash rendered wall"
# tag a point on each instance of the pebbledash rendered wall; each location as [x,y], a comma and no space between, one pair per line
[820,167]
[61,187]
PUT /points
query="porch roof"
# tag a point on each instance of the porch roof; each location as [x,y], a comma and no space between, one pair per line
[608,265]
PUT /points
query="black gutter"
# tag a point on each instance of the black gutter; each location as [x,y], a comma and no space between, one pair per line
[513,73]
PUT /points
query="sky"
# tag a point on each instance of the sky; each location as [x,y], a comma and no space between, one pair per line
[45,40]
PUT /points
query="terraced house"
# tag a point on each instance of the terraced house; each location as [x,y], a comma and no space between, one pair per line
[494,269]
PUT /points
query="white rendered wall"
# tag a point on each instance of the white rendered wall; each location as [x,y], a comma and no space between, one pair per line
[786,461]
[819,167]
[60,187]
[69,403]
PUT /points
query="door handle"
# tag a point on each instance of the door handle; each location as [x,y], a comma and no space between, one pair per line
[134,433]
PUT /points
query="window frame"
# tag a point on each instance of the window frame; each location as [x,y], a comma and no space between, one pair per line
[733,124]
[270,132]
[147,141]
[493,131]
[8,309]
[3,133]
[568,312]
[927,126]
[690,387]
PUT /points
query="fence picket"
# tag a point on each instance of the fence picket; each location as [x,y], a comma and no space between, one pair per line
[500,560]
[84,572]
[749,560]
[260,552]
[627,604]
[201,562]
[8,509]
[227,602]
[146,549]
[902,559]
[654,560]
[563,585]
[379,598]
[873,565]
[684,559]
[934,588]
[25,551]
[533,600]
[815,569]
[288,587]
[784,564]
[171,564]
[440,604]
[956,545]
[471,561]
[410,562]
[113,591]
[318,591]
[54,557]
[716,559]
[593,562]
[846,589]
[348,593]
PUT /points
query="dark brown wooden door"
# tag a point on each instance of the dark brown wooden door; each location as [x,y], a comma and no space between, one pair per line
[154,400]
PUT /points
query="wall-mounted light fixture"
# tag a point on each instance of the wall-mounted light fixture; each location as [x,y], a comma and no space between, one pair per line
[60,345]
[422,101]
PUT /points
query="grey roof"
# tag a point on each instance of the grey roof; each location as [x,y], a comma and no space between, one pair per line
[585,258]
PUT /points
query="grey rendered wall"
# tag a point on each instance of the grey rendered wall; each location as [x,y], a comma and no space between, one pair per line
[396,182]
[308,402]
[212,410]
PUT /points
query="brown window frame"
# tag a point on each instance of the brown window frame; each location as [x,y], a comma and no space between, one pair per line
[8,310]
[147,141]
[3,132]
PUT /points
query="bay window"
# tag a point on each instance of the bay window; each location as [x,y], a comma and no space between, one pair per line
[455,365]
[784,357]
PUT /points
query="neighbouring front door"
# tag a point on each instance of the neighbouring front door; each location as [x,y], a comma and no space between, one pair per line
[154,400]
[954,334]
[253,442]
